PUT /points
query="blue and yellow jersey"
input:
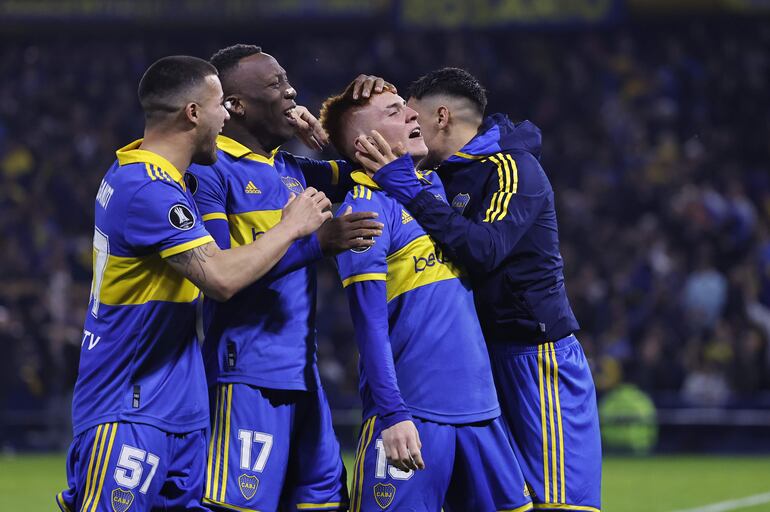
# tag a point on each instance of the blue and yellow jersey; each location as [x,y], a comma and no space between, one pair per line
[140,360]
[265,335]
[438,352]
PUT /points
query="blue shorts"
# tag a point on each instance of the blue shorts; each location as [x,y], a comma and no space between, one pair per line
[548,401]
[117,467]
[467,467]
[273,449]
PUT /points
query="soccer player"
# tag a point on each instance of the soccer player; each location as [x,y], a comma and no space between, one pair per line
[432,436]
[140,407]
[273,445]
[501,226]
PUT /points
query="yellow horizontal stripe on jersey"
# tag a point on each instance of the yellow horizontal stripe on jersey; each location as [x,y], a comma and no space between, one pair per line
[417,264]
[128,281]
[192,244]
[564,506]
[363,277]
[227,505]
[213,216]
[248,226]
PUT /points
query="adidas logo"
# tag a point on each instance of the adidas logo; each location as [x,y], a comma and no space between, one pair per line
[251,188]
[405,217]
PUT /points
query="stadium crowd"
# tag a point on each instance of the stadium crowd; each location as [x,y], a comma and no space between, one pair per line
[656,140]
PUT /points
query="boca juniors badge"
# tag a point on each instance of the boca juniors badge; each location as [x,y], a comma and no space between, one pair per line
[460,202]
[121,500]
[248,485]
[384,494]
[292,184]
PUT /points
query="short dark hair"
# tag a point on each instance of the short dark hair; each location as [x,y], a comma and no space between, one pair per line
[167,79]
[227,59]
[455,82]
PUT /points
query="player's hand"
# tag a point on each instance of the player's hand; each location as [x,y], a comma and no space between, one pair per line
[363,85]
[306,212]
[308,128]
[374,152]
[402,446]
[348,231]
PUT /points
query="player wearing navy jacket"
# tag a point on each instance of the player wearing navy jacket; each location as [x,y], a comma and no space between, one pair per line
[500,225]
[425,378]
[140,409]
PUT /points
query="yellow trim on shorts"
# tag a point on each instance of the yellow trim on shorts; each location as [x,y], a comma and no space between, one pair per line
[104,467]
[314,506]
[96,473]
[210,462]
[60,501]
[227,505]
[358,468]
[220,433]
[551,424]
[522,508]
[91,459]
[540,374]
[564,506]
[559,424]
[229,394]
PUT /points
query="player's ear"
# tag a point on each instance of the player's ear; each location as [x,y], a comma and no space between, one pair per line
[442,117]
[234,106]
[192,113]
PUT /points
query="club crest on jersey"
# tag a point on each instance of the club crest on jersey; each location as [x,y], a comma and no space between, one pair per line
[192,182]
[384,494]
[460,202]
[292,184]
[181,217]
[121,500]
[248,485]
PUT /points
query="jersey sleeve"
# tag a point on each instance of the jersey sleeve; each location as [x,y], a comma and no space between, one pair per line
[368,264]
[513,200]
[369,309]
[161,219]
[330,176]
[210,194]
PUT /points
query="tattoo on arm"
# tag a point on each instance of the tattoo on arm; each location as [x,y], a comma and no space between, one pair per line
[191,263]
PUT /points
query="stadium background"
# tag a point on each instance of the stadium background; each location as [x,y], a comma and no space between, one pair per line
[656,123]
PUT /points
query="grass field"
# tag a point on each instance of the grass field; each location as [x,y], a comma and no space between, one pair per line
[656,484]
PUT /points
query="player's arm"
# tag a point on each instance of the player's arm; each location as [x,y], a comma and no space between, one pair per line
[220,274]
[513,202]
[363,276]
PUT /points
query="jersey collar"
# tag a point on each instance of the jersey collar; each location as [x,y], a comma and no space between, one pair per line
[360,177]
[234,148]
[131,154]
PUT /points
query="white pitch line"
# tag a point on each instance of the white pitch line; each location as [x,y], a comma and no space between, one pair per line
[724,506]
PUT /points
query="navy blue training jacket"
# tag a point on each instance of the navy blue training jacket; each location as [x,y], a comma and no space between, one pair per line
[500,224]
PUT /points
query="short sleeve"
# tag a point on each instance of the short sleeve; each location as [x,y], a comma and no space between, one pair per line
[162,219]
[368,264]
[330,176]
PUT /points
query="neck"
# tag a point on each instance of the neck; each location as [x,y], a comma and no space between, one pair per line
[458,137]
[173,146]
[241,134]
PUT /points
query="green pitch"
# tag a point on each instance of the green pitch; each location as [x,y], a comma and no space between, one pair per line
[655,484]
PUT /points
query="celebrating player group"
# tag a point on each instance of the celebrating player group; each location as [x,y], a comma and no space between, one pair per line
[198,387]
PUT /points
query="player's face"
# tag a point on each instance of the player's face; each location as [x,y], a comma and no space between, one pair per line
[267,97]
[397,123]
[212,115]
[428,128]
